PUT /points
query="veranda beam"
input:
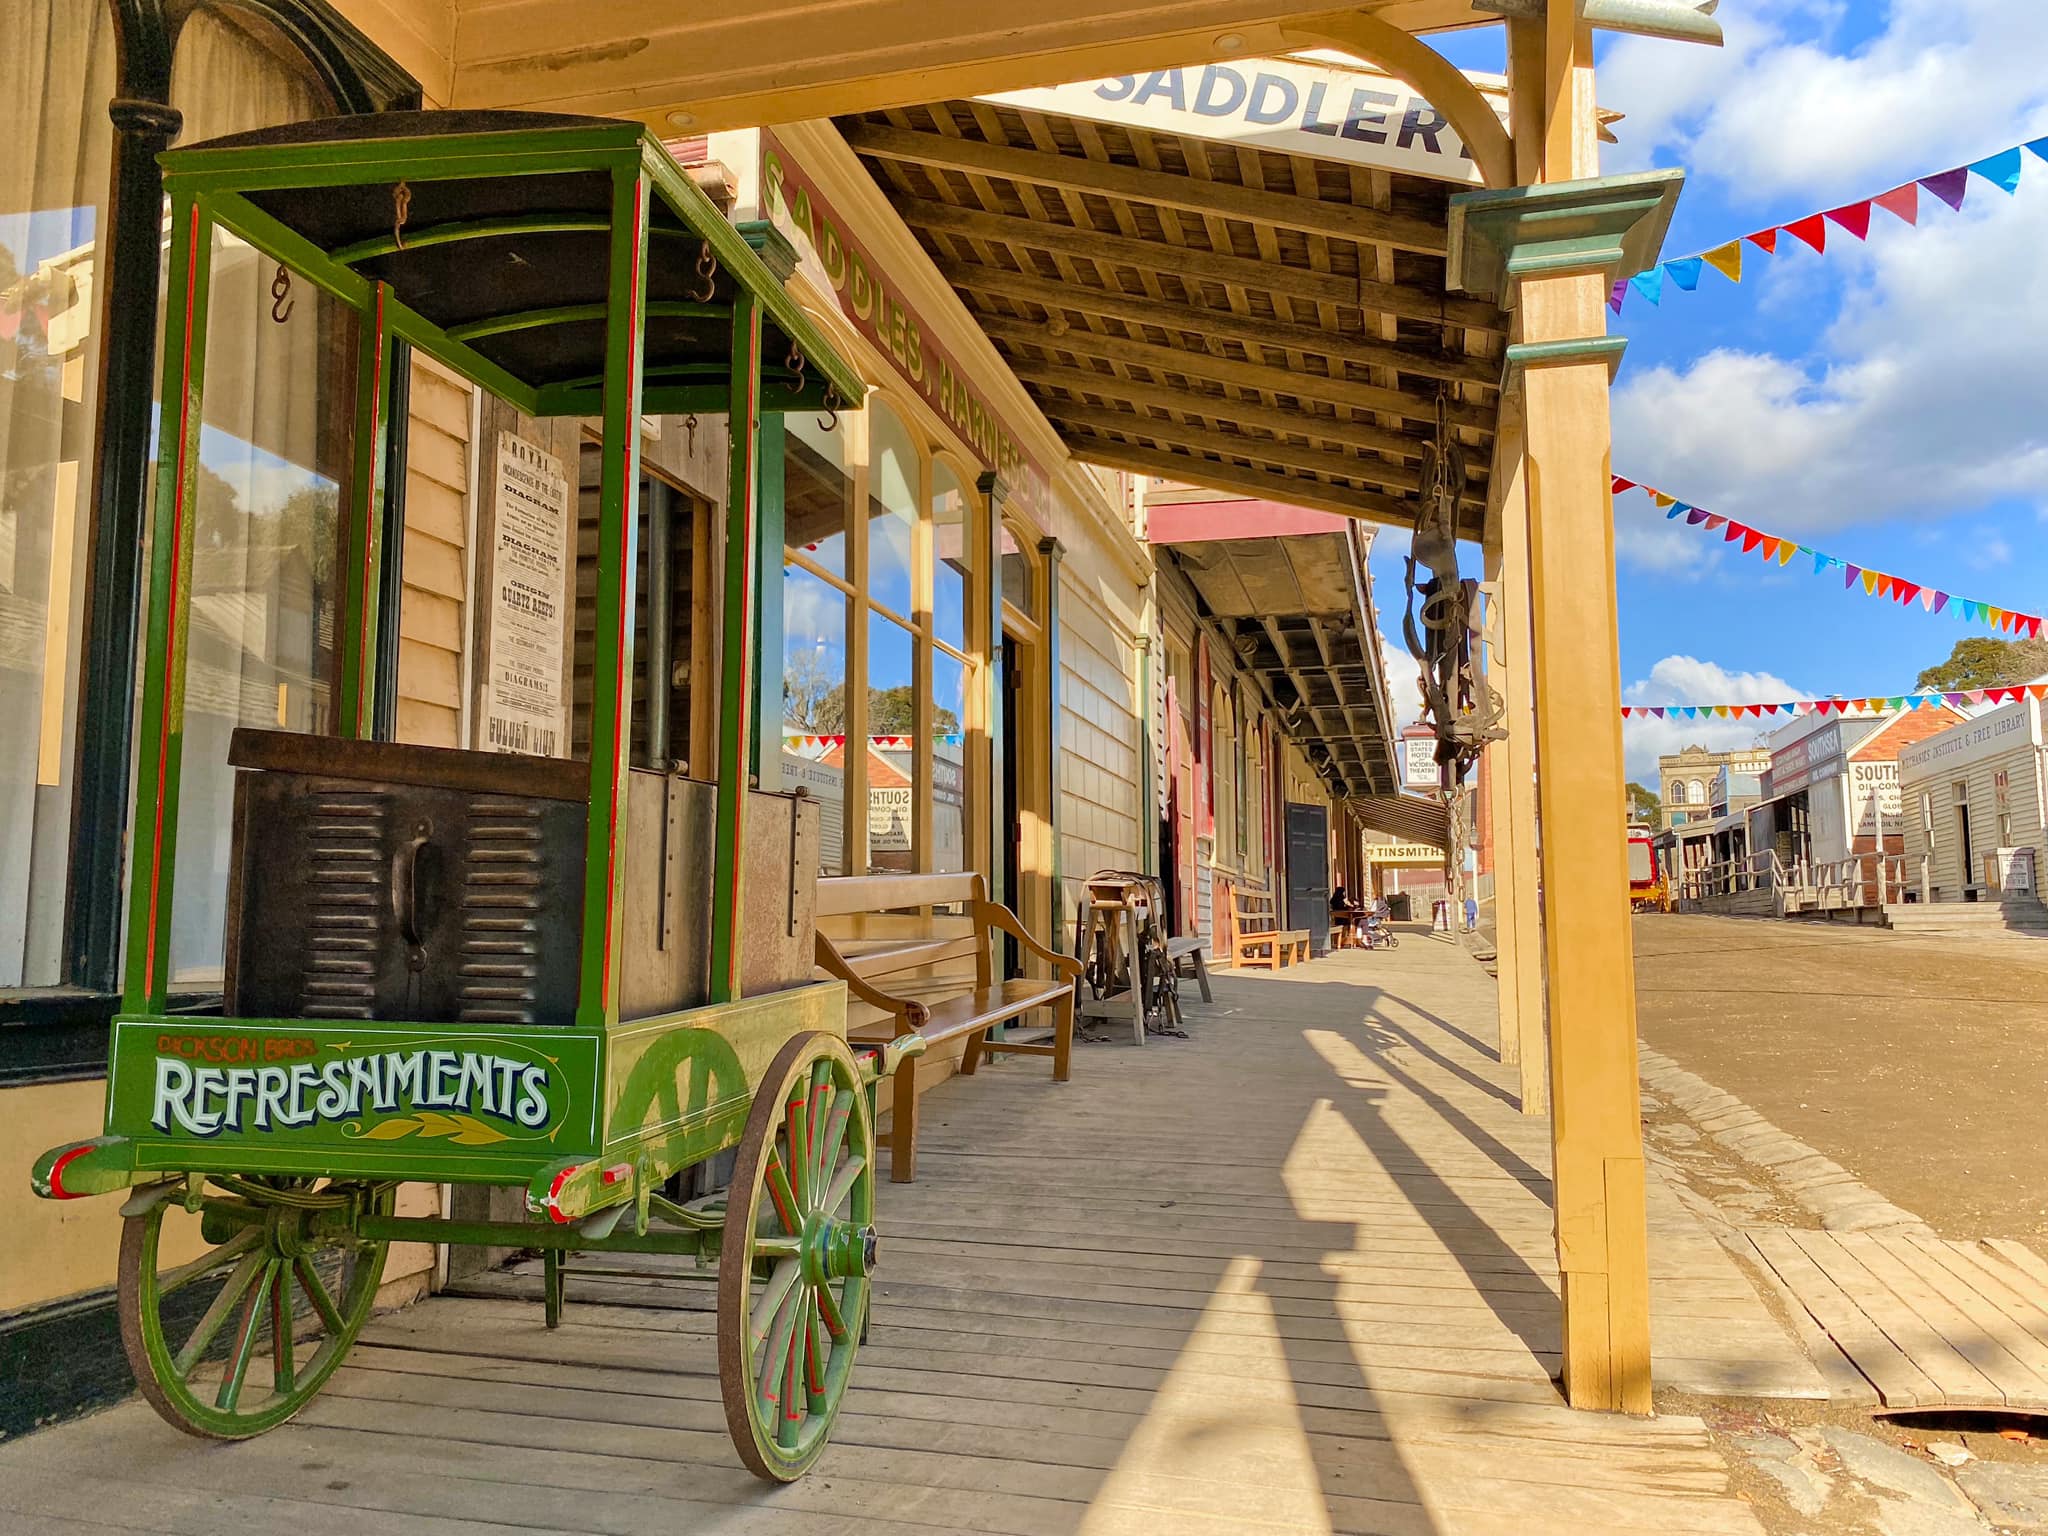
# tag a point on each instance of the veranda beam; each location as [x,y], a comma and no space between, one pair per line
[1250,330]
[1184,262]
[1079,342]
[1171,434]
[1073,173]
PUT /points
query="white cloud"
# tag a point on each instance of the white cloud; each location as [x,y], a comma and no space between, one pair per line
[1923,401]
[1778,112]
[1404,680]
[1689,680]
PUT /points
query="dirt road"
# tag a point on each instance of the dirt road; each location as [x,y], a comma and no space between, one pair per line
[1919,1064]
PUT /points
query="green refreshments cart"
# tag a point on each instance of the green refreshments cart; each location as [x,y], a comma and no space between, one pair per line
[587,982]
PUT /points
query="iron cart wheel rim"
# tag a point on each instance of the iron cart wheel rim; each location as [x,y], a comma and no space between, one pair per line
[797,1251]
[295,1286]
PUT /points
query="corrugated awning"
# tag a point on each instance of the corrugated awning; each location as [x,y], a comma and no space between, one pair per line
[1404,817]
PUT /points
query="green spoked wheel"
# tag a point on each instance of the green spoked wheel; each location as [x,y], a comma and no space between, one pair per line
[234,1316]
[799,1245]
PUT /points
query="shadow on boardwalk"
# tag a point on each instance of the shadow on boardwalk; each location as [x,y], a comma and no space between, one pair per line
[1292,1274]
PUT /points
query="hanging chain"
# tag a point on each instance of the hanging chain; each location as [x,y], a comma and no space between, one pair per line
[401,209]
[280,295]
[707,269]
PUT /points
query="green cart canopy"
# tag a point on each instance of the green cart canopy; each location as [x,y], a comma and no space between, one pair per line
[492,231]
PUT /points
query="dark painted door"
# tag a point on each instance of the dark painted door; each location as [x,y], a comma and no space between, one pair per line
[1308,872]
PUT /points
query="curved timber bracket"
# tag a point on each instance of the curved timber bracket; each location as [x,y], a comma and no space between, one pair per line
[1438,81]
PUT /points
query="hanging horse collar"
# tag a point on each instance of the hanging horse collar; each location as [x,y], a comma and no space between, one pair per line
[1459,705]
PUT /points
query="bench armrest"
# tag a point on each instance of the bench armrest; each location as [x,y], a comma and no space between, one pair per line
[887,1057]
[994,916]
[909,1012]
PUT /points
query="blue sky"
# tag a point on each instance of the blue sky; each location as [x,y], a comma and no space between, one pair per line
[1887,402]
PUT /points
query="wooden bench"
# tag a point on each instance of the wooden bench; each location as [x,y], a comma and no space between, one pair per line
[1190,952]
[1256,937]
[863,963]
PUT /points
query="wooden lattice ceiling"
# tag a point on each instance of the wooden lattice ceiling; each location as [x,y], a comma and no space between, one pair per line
[1233,317]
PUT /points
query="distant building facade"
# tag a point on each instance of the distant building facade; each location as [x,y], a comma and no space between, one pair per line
[1689,781]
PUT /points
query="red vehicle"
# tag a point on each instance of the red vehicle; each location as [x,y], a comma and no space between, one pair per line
[1648,888]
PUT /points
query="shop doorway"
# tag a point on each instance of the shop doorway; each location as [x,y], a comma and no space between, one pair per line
[1961,793]
[1308,873]
[1010,835]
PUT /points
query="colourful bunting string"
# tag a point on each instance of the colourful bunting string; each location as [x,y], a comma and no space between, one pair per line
[1875,704]
[1776,548]
[2002,170]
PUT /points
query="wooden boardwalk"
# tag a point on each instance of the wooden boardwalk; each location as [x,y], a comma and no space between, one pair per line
[1291,1275]
[1931,1323]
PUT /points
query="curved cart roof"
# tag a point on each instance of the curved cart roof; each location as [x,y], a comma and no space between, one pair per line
[502,262]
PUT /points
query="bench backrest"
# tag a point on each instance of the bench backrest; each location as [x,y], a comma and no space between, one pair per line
[870,957]
[1252,909]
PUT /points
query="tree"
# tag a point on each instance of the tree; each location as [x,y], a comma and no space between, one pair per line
[890,713]
[1644,806]
[1981,661]
[813,696]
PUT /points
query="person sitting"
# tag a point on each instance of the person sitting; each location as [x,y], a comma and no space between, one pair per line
[1344,915]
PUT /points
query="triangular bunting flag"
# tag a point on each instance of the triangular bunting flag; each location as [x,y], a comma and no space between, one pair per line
[1727,259]
[1658,712]
[1820,562]
[1770,551]
[1949,186]
[1765,240]
[1853,571]
[1750,539]
[1927,598]
[1870,579]
[1786,550]
[1619,293]
[1620,485]
[1854,217]
[2039,147]
[1904,591]
[1679,509]
[1650,284]
[1811,230]
[1901,202]
[1686,270]
[2033,625]
[1660,498]
[1940,602]
[1956,698]
[2002,170]
[1714,520]
[1694,516]
[1735,531]
[2039,690]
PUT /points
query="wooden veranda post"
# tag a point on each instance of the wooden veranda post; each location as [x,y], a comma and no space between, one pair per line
[1518,927]
[1549,252]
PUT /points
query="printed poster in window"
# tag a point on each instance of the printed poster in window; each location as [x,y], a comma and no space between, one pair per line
[526,694]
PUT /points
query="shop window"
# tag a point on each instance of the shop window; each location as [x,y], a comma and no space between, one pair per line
[892,746]
[55,175]
[817,609]
[949,762]
[669,519]
[817,491]
[1018,587]
[814,753]
[274,453]
[951,559]
[893,497]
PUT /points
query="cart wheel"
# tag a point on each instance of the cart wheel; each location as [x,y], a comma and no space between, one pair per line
[292,1287]
[798,1247]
